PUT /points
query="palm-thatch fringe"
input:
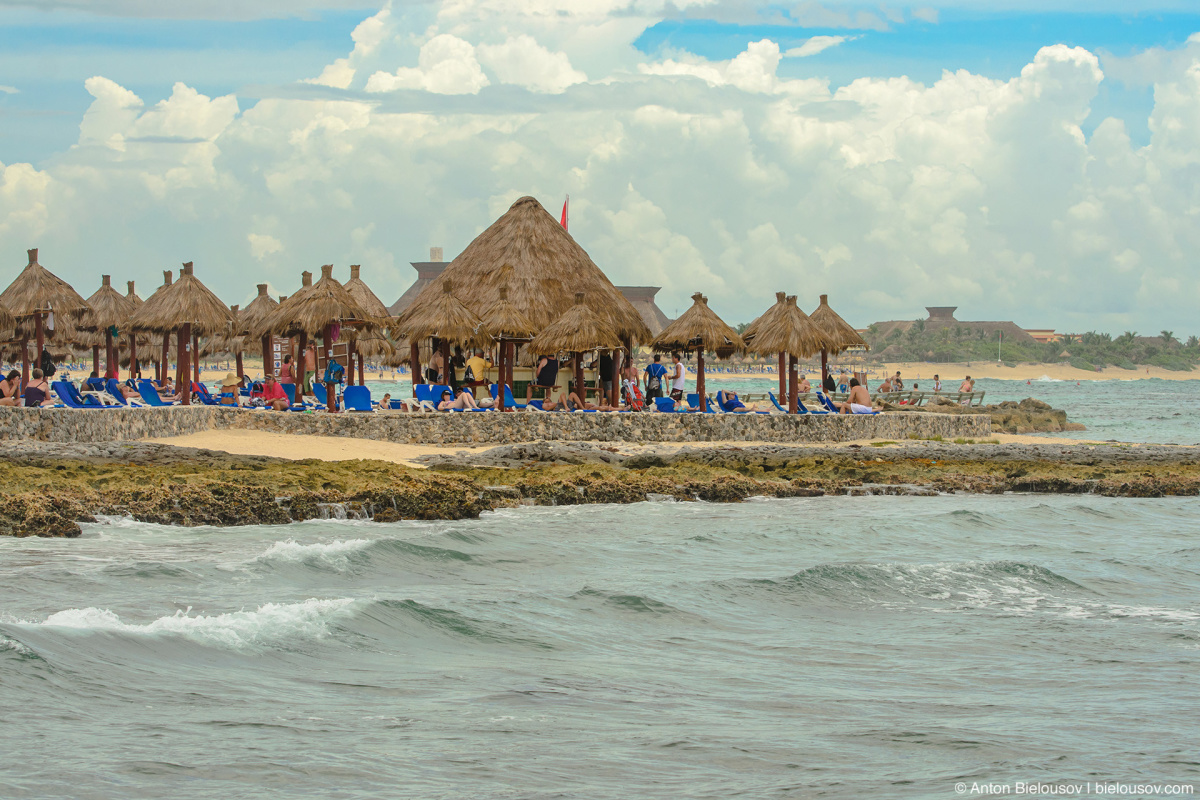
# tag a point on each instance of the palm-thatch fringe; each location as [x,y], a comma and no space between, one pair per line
[109,309]
[7,322]
[313,308]
[784,328]
[442,316]
[186,301]
[251,319]
[699,328]
[578,330]
[530,253]
[840,335]
[503,319]
[359,290]
[38,290]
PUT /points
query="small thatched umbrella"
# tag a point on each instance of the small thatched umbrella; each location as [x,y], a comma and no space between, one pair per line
[375,308]
[505,323]
[319,308]
[194,310]
[164,359]
[445,318]
[577,331]
[699,329]
[35,293]
[840,335]
[134,367]
[110,310]
[788,330]
[768,317]
[251,321]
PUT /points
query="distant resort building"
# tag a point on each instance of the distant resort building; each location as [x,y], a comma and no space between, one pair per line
[642,297]
[943,317]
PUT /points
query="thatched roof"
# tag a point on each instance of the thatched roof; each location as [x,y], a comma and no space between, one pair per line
[530,253]
[229,342]
[365,297]
[698,327]
[187,300]
[784,328]
[378,347]
[578,330]
[7,321]
[109,308]
[840,335]
[252,319]
[131,295]
[309,310]
[37,289]
[503,319]
[442,316]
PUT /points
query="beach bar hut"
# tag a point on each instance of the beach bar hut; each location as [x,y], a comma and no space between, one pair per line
[840,335]
[192,310]
[110,310]
[34,295]
[577,331]
[324,307]
[699,329]
[528,253]
[375,347]
[790,331]
[443,318]
[507,325]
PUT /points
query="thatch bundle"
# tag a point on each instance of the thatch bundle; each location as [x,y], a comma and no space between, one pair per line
[578,330]
[784,328]
[365,297]
[504,320]
[315,307]
[530,253]
[186,301]
[229,343]
[7,322]
[109,309]
[699,328]
[252,318]
[442,316]
[379,348]
[839,335]
[37,290]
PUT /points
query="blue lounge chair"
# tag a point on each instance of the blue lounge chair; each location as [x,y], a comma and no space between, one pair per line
[509,402]
[290,390]
[668,405]
[693,401]
[715,406]
[71,398]
[200,392]
[804,410]
[150,394]
[357,398]
[114,389]
[318,390]
[95,384]
[775,402]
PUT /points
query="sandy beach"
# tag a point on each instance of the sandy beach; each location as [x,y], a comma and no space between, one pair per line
[953,373]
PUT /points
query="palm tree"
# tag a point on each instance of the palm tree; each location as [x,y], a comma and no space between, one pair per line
[1128,336]
[1193,342]
[1168,337]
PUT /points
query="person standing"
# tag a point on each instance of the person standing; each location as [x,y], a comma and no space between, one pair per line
[656,373]
[678,379]
[937,384]
[286,376]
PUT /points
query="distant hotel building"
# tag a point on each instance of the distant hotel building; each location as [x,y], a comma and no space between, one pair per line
[943,317]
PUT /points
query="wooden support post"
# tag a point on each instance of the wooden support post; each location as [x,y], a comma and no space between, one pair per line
[782,378]
[164,366]
[414,363]
[185,372]
[196,357]
[24,362]
[327,343]
[95,359]
[303,364]
[793,387]
[110,365]
[700,377]
[500,375]
[134,372]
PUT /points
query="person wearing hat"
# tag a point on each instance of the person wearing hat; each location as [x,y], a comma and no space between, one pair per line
[230,386]
[273,394]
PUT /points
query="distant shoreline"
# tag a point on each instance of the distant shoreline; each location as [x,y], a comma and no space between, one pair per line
[953,373]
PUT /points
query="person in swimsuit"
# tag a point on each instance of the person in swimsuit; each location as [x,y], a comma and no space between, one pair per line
[310,367]
[730,403]
[286,372]
[8,389]
[463,402]
[37,393]
[571,402]
[859,401]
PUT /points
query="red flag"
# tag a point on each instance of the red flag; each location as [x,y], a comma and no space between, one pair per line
[564,214]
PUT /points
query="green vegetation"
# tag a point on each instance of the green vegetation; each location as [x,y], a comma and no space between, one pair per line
[1088,351]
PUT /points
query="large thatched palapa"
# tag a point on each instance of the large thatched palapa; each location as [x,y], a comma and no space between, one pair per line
[109,309]
[699,329]
[786,330]
[368,346]
[442,317]
[841,336]
[35,293]
[251,321]
[547,267]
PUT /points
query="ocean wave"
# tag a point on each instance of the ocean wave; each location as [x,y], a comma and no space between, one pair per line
[625,602]
[353,555]
[271,624]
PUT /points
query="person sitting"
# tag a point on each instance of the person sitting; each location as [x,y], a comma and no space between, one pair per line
[273,394]
[463,402]
[571,402]
[804,387]
[731,404]
[9,388]
[968,385]
[545,377]
[859,401]
[129,391]
[37,392]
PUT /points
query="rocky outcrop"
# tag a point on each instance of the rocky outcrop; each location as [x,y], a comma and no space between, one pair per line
[1027,416]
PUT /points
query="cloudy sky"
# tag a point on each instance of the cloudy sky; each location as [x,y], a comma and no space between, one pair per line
[1035,161]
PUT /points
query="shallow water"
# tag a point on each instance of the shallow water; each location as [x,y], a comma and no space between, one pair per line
[832,647]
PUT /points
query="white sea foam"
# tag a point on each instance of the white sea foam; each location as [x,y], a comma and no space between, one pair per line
[334,555]
[269,623]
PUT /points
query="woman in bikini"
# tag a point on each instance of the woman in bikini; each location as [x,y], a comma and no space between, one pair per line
[37,393]
[8,389]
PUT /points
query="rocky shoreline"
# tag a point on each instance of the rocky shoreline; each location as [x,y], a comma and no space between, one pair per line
[52,487]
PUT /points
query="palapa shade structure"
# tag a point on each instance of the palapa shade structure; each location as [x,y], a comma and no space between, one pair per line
[699,329]
[785,329]
[442,317]
[528,252]
[252,323]
[109,309]
[134,340]
[577,331]
[840,335]
[35,293]
[505,323]
[769,316]
[164,359]
[371,304]
[318,308]
[191,307]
